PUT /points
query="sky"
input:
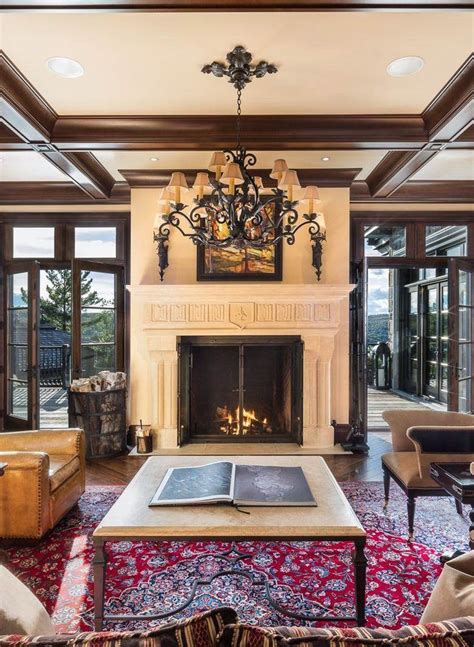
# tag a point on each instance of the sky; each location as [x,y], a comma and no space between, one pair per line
[90,242]
[377,291]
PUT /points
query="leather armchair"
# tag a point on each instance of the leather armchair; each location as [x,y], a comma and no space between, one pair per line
[420,438]
[44,479]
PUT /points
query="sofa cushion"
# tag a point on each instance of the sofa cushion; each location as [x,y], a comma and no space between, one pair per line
[453,594]
[20,611]
[452,633]
[200,630]
[61,468]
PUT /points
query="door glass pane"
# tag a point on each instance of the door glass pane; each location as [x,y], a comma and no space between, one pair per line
[17,345]
[446,240]
[55,346]
[98,322]
[33,242]
[432,314]
[385,240]
[95,242]
[465,341]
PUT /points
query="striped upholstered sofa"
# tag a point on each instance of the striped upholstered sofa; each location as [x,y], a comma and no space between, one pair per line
[220,628]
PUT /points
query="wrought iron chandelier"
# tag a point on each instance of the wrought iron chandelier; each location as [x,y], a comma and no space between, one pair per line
[233,208]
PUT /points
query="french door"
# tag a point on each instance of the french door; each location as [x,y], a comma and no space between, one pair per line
[21,345]
[96,294]
[461,335]
[97,318]
[358,352]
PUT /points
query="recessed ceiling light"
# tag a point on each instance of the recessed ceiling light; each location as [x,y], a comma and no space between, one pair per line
[325,158]
[68,68]
[405,66]
[154,159]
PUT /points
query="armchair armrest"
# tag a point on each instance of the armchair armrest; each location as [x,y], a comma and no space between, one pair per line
[24,494]
[401,421]
[55,441]
[435,443]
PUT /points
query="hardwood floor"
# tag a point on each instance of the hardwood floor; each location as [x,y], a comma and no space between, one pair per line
[345,467]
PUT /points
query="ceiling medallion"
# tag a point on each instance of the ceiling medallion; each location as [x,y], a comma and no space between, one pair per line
[232,206]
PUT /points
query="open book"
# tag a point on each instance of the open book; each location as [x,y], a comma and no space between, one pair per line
[226,482]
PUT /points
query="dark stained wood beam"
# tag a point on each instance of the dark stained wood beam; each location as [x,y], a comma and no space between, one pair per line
[31,121]
[261,132]
[85,171]
[451,112]
[235,5]
[448,116]
[26,193]
[395,169]
[23,110]
[436,191]
[307,176]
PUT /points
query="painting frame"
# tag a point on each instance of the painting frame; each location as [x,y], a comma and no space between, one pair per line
[203,273]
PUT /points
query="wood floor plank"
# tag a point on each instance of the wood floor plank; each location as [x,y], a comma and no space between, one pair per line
[345,467]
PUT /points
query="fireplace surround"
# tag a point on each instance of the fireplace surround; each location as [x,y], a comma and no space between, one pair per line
[240,389]
[161,314]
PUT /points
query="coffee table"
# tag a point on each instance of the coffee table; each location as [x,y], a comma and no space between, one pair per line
[131,519]
[458,481]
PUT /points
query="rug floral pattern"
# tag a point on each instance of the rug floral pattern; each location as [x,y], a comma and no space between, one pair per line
[306,577]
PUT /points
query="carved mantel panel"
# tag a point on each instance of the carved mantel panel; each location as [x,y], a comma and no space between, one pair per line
[163,313]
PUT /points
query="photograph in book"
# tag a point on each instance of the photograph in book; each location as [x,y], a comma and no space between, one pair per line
[226,482]
[206,484]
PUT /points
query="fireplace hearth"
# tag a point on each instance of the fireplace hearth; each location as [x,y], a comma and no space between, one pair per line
[240,389]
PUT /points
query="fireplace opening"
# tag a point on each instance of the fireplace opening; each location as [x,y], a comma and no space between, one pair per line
[240,389]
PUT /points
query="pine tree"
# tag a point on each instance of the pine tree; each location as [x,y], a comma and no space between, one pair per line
[56,308]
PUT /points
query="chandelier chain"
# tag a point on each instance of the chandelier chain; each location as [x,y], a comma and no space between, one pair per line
[239,115]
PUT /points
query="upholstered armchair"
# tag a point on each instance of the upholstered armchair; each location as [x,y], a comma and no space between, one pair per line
[420,438]
[44,478]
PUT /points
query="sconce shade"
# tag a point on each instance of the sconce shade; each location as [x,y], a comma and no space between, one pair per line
[280,167]
[321,222]
[312,193]
[218,161]
[290,180]
[202,180]
[178,181]
[165,195]
[231,174]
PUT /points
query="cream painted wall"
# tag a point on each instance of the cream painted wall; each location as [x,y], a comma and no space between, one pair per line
[297,269]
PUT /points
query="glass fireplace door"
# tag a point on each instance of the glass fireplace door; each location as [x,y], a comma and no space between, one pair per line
[244,389]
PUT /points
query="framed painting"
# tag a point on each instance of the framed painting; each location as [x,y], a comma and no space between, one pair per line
[232,264]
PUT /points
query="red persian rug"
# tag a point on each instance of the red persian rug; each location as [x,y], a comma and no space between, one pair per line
[304,577]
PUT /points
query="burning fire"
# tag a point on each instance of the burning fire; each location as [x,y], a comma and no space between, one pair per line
[250,422]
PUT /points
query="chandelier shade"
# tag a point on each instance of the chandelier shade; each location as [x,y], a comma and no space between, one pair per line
[235,199]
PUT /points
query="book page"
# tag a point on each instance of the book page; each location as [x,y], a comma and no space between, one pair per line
[202,484]
[272,486]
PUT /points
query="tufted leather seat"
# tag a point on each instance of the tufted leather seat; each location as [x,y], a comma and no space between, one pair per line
[44,478]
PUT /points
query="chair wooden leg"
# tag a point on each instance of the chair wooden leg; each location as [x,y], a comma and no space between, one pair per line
[386,487]
[459,509]
[411,515]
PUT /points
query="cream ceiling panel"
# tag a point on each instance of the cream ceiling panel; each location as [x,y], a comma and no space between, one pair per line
[448,165]
[149,63]
[28,167]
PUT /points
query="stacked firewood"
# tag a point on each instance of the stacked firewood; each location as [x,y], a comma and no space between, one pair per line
[103,381]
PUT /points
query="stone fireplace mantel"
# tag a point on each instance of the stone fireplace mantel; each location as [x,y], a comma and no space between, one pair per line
[162,313]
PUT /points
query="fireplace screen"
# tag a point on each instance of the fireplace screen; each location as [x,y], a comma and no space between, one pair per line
[240,389]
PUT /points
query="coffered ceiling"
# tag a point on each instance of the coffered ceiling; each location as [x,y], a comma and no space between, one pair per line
[329,63]
[143,107]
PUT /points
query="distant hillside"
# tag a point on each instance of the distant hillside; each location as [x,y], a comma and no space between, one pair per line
[377,328]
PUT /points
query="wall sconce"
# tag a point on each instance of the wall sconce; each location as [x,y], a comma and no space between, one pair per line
[317,239]
[161,234]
